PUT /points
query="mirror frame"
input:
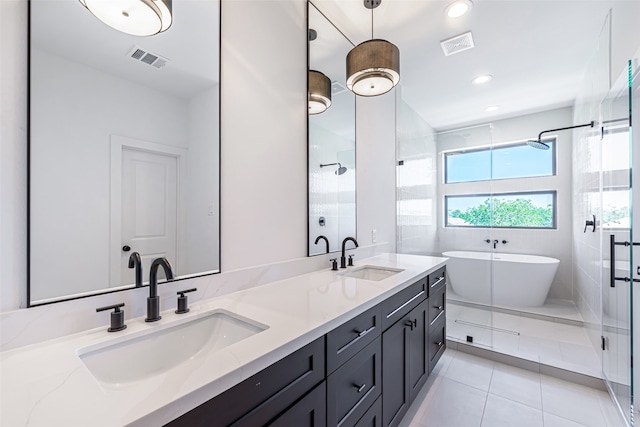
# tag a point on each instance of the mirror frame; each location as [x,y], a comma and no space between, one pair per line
[29,302]
[355,126]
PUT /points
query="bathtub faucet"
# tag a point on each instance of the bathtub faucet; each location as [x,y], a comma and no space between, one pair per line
[495,242]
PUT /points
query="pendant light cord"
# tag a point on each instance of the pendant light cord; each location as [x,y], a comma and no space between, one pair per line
[372,23]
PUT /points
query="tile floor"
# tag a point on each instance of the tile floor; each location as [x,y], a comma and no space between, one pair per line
[544,339]
[470,391]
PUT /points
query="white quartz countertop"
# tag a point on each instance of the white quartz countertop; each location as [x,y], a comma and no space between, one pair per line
[47,384]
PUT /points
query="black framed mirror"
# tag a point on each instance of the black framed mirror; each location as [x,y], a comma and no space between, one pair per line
[332,141]
[124,148]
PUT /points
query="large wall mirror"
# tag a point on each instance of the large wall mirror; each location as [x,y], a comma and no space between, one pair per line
[124,148]
[332,141]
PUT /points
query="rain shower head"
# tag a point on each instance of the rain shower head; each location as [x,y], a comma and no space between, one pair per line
[341,169]
[537,143]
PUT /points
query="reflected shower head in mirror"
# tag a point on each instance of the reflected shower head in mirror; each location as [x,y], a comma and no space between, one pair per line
[341,169]
[537,143]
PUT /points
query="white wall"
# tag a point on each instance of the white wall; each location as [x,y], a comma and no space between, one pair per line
[13,154]
[376,169]
[203,207]
[554,243]
[264,138]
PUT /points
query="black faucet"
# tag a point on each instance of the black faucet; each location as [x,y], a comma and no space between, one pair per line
[136,261]
[495,242]
[343,259]
[325,239]
[153,302]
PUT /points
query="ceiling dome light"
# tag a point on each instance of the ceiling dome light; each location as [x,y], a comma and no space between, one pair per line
[458,8]
[319,92]
[135,17]
[491,108]
[373,67]
[485,78]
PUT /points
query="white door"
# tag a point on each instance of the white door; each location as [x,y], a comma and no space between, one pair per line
[149,209]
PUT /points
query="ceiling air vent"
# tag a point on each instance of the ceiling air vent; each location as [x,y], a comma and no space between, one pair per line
[457,44]
[147,57]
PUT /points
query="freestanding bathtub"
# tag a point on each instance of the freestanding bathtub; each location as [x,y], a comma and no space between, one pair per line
[501,279]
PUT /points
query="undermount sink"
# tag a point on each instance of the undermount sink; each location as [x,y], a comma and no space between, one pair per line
[371,272]
[159,351]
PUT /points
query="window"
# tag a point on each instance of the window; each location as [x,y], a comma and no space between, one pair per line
[535,209]
[502,162]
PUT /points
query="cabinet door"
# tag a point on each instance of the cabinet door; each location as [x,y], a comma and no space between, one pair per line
[309,411]
[418,350]
[373,417]
[395,381]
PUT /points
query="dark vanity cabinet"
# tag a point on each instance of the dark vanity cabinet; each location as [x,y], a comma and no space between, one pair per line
[364,373]
[354,367]
[407,346]
[276,395]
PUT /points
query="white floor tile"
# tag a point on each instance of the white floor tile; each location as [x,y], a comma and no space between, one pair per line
[517,384]
[571,401]
[452,404]
[470,370]
[551,420]
[501,412]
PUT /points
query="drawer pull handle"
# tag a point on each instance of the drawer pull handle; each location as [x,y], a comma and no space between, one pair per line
[439,343]
[437,317]
[361,333]
[439,307]
[418,295]
[360,387]
[440,279]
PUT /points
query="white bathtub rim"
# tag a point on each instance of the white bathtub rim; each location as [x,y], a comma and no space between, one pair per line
[501,256]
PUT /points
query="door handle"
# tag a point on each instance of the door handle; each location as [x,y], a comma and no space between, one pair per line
[126,248]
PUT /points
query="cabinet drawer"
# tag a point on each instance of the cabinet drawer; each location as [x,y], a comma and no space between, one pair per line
[355,386]
[437,305]
[351,337]
[260,398]
[437,279]
[373,416]
[309,411]
[396,306]
[437,342]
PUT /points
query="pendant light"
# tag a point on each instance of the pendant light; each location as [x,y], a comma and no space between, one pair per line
[373,67]
[135,17]
[319,92]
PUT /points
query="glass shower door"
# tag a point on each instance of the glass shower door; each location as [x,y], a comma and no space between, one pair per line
[465,233]
[617,247]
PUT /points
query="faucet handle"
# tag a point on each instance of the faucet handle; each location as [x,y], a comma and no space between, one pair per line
[334,264]
[117,317]
[350,263]
[182,301]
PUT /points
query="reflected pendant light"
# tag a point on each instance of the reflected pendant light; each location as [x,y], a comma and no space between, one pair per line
[135,17]
[319,92]
[373,67]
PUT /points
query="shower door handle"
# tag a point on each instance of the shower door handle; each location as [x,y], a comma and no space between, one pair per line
[612,261]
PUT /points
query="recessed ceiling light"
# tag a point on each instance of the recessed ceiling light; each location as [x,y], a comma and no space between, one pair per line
[458,8]
[482,79]
[491,108]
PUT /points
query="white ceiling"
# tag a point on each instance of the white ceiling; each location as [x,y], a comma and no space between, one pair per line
[67,29]
[537,52]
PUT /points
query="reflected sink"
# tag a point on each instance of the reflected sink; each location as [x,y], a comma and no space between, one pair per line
[371,272]
[159,351]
